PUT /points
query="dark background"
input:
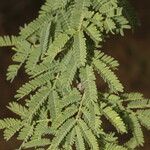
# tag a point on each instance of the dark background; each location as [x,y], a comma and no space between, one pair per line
[132,51]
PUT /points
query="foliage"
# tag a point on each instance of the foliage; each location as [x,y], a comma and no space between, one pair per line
[60,53]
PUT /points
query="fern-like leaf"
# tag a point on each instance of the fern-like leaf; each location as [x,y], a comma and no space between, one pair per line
[45,39]
[78,14]
[138,139]
[115,119]
[73,97]
[37,100]
[8,41]
[132,96]
[56,47]
[93,33]
[70,140]
[61,133]
[37,143]
[108,60]
[108,76]
[32,85]
[35,25]
[88,82]
[88,135]
[18,109]
[79,47]
[65,115]
[53,104]
[80,145]
[143,116]
[11,126]
[145,103]
[114,147]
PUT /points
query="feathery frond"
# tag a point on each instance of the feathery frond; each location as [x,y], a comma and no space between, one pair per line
[108,76]
[64,108]
[115,119]
[8,41]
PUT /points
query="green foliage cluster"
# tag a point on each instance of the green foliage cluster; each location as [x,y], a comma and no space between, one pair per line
[60,53]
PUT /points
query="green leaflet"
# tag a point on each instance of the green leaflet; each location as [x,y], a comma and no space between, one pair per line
[65,23]
[11,126]
[12,72]
[90,94]
[39,129]
[63,116]
[114,147]
[132,96]
[78,14]
[56,47]
[61,133]
[79,47]
[93,114]
[143,116]
[73,97]
[88,82]
[145,103]
[37,143]
[9,122]
[37,100]
[51,6]
[96,19]
[25,133]
[8,41]
[22,51]
[68,75]
[45,38]
[138,138]
[9,132]
[93,33]
[53,101]
[35,25]
[108,60]
[109,25]
[42,68]
[18,109]
[106,5]
[66,60]
[33,85]
[32,60]
[91,139]
[115,119]
[79,139]
[108,76]
[70,140]
[92,120]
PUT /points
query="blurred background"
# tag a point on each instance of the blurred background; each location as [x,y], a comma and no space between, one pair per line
[132,51]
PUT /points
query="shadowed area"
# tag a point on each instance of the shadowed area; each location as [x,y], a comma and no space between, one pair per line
[132,51]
